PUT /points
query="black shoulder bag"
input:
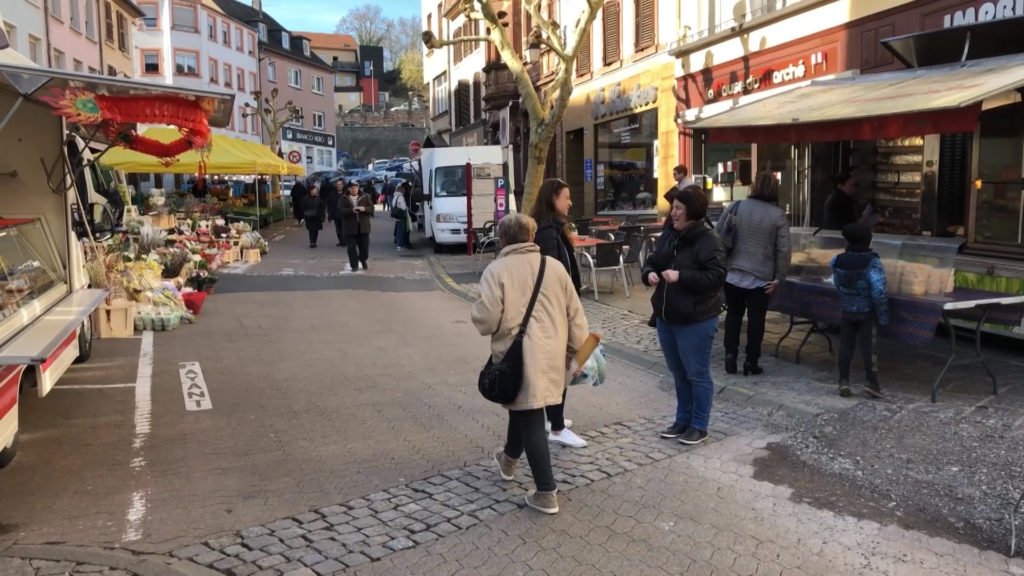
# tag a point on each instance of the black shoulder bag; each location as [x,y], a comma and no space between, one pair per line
[501,382]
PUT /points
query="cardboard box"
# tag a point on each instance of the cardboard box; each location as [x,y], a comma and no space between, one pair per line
[115,320]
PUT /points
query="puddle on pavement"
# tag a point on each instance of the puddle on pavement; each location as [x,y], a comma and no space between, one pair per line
[827,491]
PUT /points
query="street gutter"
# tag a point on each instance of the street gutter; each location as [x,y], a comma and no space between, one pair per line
[120,560]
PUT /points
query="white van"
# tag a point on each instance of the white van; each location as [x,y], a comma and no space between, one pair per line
[444,212]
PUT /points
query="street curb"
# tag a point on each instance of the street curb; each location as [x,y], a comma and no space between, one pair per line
[123,560]
[650,363]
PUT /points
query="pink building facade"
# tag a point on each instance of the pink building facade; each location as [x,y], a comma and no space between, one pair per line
[74,35]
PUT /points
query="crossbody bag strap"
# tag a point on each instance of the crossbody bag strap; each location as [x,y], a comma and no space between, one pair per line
[533,298]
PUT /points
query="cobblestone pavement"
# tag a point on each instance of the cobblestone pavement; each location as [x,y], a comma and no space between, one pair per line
[19,567]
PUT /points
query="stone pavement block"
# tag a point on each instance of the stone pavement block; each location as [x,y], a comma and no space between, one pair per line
[354,559]
[300,572]
[327,567]
[190,552]
[207,558]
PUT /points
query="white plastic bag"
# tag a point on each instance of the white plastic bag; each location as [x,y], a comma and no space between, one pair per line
[594,370]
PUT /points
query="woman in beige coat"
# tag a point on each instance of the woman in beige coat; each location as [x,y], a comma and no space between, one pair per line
[556,330]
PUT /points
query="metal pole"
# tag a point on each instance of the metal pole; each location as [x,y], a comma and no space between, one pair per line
[469,208]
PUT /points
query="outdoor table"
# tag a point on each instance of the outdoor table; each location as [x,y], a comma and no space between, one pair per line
[912,319]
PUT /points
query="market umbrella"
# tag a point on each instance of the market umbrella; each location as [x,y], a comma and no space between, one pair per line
[261,151]
[227,155]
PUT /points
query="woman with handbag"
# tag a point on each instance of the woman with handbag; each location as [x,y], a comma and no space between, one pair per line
[524,289]
[313,213]
[687,271]
[551,211]
[758,261]
[400,212]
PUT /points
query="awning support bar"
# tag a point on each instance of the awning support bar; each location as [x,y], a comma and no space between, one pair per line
[967,48]
[10,113]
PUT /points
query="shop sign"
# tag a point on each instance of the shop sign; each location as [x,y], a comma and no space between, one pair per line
[814,64]
[617,101]
[588,170]
[500,199]
[308,137]
[984,12]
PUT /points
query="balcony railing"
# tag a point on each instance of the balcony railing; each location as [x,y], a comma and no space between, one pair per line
[724,18]
[345,66]
[499,86]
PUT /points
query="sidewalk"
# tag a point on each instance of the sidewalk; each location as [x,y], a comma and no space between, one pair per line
[955,464]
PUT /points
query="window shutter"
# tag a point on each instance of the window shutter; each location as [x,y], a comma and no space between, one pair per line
[583,58]
[644,24]
[611,28]
[463,101]
[478,102]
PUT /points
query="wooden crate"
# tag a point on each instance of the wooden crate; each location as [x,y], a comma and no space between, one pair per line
[115,320]
[251,255]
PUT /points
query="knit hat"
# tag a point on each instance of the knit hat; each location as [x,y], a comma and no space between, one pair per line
[858,235]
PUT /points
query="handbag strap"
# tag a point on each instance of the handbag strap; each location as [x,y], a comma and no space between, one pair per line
[533,299]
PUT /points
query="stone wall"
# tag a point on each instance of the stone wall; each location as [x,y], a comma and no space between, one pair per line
[366,143]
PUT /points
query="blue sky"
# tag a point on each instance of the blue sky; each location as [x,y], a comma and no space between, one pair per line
[323,15]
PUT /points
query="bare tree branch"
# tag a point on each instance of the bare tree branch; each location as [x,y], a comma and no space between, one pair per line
[433,42]
[511,59]
[554,47]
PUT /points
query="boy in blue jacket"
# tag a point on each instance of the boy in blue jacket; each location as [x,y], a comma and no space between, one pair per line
[860,279]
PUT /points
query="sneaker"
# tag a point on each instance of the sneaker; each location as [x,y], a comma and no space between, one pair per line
[844,389]
[673,431]
[567,422]
[874,391]
[546,502]
[692,436]
[365,267]
[567,438]
[506,465]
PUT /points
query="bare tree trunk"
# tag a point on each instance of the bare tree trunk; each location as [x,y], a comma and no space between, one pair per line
[536,162]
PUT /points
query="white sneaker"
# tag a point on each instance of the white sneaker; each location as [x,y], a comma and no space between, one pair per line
[547,425]
[567,438]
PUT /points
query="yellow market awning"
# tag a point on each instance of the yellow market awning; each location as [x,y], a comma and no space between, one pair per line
[261,151]
[228,155]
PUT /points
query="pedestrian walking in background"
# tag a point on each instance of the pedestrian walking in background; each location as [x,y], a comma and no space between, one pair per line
[841,206]
[859,277]
[551,212]
[557,328]
[403,217]
[370,191]
[387,192]
[332,194]
[298,195]
[687,270]
[313,213]
[354,212]
[757,265]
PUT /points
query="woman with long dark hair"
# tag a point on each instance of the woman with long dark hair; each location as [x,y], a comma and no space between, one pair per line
[757,265]
[551,211]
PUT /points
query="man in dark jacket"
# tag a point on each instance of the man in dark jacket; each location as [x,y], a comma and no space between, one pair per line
[859,277]
[331,190]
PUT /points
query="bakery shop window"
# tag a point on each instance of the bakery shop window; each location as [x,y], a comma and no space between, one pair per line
[999,190]
[29,268]
[626,157]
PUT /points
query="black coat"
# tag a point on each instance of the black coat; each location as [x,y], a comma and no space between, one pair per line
[699,256]
[353,222]
[299,194]
[554,242]
[313,212]
[330,195]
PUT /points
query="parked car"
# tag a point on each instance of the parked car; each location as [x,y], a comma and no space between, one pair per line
[320,175]
[361,176]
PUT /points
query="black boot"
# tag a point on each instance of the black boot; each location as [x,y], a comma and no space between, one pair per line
[730,363]
[751,367]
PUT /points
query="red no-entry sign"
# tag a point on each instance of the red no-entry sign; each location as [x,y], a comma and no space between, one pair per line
[295,157]
[414,147]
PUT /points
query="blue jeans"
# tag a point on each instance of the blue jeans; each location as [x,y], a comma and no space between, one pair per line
[401,234]
[687,350]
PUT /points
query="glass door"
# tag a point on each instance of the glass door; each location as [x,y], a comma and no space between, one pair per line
[999,190]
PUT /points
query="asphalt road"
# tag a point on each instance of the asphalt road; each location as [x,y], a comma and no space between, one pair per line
[324,385]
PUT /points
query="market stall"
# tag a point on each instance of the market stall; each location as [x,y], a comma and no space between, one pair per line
[922,295]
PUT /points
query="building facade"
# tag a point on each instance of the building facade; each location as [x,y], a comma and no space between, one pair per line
[196,45]
[342,53]
[73,31]
[287,62]
[25,24]
[120,23]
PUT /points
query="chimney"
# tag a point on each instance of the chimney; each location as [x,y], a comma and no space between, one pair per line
[257,5]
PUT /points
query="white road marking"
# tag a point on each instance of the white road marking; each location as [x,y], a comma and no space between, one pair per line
[277,238]
[143,421]
[193,387]
[91,386]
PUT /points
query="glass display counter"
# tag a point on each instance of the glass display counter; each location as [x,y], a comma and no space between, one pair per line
[29,270]
[914,265]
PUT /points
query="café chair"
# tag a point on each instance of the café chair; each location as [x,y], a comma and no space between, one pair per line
[606,258]
[484,240]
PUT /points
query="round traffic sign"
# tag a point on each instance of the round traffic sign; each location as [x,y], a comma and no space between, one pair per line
[414,147]
[295,157]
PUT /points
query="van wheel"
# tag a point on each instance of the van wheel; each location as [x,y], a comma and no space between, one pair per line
[437,247]
[84,342]
[7,454]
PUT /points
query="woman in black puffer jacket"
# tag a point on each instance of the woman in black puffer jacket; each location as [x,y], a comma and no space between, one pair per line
[687,270]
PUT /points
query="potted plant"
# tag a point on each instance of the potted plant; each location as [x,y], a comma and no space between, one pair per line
[202,281]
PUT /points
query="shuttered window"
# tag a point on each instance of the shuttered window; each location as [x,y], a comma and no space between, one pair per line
[463,105]
[643,24]
[478,98]
[583,58]
[611,27]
